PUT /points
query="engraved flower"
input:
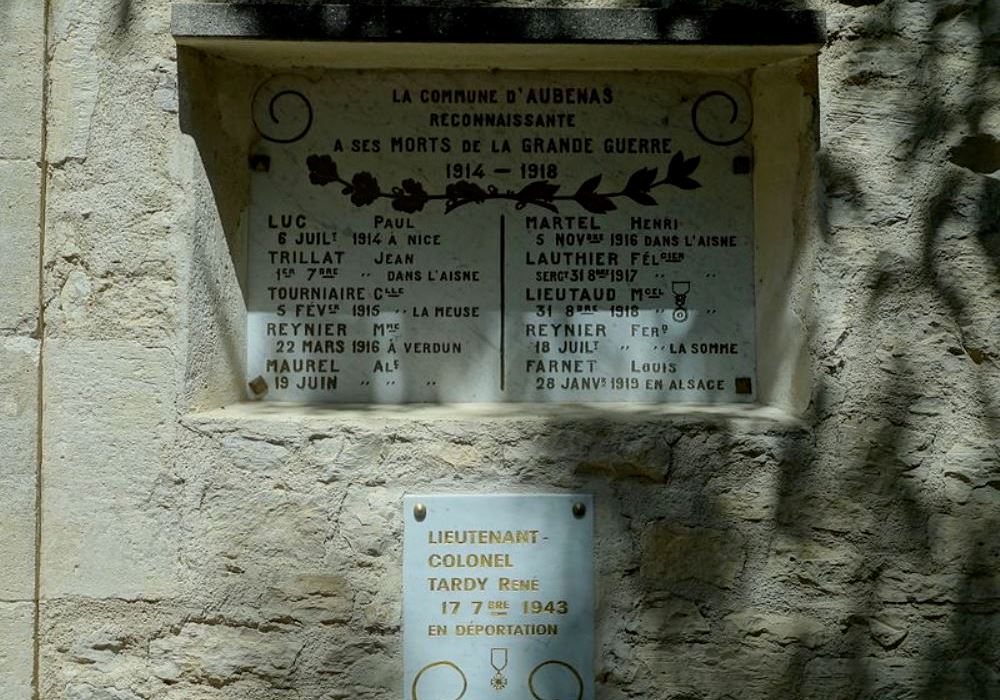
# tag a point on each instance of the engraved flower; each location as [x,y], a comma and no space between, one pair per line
[409,198]
[364,189]
[322,170]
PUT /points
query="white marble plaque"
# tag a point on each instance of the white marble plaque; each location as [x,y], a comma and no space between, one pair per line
[501,236]
[498,597]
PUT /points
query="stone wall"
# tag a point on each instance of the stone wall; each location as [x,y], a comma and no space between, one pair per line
[193,551]
[21,144]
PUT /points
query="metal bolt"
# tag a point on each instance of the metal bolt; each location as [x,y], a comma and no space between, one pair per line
[419,512]
[579,510]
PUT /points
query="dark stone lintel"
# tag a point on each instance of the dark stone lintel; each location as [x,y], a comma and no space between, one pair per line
[727,25]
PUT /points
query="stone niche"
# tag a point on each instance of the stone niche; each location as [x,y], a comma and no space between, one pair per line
[492,205]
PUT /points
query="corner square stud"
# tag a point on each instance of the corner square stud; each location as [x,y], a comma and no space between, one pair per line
[260,163]
[742,165]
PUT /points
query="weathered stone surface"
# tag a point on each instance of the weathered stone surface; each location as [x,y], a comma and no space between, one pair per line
[215,654]
[674,553]
[671,618]
[19,210]
[21,97]
[253,553]
[22,55]
[888,629]
[158,649]
[686,672]
[16,649]
[82,691]
[971,472]
[814,567]
[830,678]
[758,627]
[19,438]
[109,485]
[111,248]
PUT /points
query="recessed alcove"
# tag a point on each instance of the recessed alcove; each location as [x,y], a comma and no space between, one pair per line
[228,54]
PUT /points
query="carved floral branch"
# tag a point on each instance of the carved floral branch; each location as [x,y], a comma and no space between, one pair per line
[410,196]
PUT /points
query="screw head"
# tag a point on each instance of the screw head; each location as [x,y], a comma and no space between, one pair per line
[419,512]
[579,510]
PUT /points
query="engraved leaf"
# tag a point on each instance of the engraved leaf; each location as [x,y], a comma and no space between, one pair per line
[588,198]
[641,180]
[409,198]
[594,203]
[686,183]
[589,186]
[642,198]
[462,192]
[322,170]
[676,164]
[679,170]
[536,192]
[465,190]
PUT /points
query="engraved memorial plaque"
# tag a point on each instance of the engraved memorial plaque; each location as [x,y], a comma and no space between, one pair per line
[526,236]
[498,597]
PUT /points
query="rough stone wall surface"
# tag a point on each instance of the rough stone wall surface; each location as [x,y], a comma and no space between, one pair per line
[21,102]
[193,554]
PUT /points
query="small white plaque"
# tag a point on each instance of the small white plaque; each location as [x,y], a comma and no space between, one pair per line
[498,597]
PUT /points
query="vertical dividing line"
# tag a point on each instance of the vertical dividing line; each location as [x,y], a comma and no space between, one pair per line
[43,177]
[503,303]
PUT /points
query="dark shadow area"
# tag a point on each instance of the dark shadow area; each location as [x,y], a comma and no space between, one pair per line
[123,16]
[682,23]
[917,627]
[873,533]
[226,162]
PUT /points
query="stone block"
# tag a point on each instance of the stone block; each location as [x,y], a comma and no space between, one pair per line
[109,491]
[83,691]
[74,79]
[906,585]
[809,565]
[870,677]
[16,650]
[673,553]
[114,207]
[22,54]
[758,627]
[254,525]
[965,539]
[19,193]
[99,649]
[114,649]
[219,652]
[19,437]
[888,629]
[672,618]
[312,599]
[709,672]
